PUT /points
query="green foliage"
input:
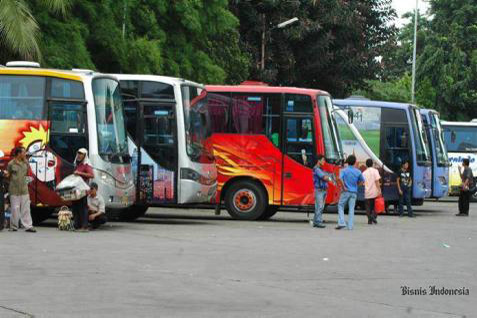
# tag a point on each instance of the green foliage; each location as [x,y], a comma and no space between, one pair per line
[398,90]
[333,46]
[197,40]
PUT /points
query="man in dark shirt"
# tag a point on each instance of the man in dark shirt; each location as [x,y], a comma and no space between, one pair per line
[467,178]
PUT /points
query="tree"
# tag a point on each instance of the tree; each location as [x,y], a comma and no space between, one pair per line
[18,28]
[197,40]
[334,46]
[449,60]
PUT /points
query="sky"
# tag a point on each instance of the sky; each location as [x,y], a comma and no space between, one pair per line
[403,6]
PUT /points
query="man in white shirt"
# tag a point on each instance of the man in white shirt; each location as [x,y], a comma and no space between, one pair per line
[96,207]
[372,190]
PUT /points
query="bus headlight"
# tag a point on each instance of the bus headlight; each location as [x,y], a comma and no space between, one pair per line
[442,180]
[190,174]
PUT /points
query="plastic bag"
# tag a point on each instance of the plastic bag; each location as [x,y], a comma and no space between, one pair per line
[379,205]
[73,181]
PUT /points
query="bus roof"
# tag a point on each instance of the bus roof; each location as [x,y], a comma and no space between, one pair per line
[154,78]
[75,74]
[428,110]
[263,89]
[370,103]
[459,123]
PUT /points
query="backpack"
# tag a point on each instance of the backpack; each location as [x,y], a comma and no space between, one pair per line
[65,222]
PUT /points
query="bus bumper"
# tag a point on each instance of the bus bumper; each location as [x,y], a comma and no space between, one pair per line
[195,192]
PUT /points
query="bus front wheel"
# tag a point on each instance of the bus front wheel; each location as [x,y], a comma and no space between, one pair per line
[245,200]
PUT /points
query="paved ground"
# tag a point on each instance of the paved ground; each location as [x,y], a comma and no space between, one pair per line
[185,263]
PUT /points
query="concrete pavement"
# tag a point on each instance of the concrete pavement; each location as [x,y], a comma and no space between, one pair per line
[190,263]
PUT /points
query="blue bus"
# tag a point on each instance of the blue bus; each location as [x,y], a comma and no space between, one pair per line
[395,133]
[440,159]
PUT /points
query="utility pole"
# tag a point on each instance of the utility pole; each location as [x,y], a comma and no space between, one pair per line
[264,25]
[413,88]
[124,18]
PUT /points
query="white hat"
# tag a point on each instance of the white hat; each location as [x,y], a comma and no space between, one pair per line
[83,151]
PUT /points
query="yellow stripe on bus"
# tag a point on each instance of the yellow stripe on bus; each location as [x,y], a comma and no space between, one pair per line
[40,73]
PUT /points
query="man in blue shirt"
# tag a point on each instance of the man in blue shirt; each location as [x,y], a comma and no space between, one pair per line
[350,178]
[320,182]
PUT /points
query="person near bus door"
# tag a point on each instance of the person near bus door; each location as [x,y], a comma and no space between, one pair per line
[320,182]
[404,184]
[467,178]
[80,207]
[350,178]
[17,173]
[372,190]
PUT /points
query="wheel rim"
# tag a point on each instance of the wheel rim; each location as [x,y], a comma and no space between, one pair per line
[245,200]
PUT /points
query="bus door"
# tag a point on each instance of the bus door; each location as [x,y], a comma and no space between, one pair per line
[394,147]
[298,160]
[158,154]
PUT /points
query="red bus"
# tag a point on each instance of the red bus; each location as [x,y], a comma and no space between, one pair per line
[265,141]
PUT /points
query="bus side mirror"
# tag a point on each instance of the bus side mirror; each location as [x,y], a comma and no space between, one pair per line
[350,116]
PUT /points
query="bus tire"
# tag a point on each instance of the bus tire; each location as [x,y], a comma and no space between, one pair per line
[38,215]
[269,212]
[246,200]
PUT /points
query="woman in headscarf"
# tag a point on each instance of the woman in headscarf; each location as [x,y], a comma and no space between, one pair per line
[80,207]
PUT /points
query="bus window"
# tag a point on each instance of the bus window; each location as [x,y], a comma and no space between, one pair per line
[68,129]
[296,103]
[299,141]
[159,134]
[61,88]
[22,97]
[157,90]
[247,111]
[131,110]
[271,118]
[460,138]
[218,107]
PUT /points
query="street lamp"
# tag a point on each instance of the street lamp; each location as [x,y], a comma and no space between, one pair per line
[413,87]
[278,26]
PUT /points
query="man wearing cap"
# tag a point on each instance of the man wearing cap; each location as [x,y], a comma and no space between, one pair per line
[96,210]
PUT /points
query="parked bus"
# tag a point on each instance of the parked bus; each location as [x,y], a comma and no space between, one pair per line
[460,139]
[52,114]
[168,127]
[440,159]
[395,133]
[265,141]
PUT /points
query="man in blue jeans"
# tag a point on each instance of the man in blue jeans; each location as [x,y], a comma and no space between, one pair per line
[350,178]
[320,182]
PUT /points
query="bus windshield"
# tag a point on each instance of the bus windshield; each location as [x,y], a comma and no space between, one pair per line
[441,152]
[330,133]
[461,138]
[112,142]
[420,140]
[196,123]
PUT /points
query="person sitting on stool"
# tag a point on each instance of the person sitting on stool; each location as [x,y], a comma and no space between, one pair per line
[96,210]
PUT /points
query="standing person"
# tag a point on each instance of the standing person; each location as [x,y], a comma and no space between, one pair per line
[350,178]
[17,171]
[96,207]
[320,182]
[80,207]
[372,190]
[467,178]
[404,184]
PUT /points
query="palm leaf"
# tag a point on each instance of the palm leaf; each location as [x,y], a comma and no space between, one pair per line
[57,6]
[18,29]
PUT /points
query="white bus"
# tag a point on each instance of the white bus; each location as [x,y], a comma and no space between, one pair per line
[461,142]
[53,113]
[168,127]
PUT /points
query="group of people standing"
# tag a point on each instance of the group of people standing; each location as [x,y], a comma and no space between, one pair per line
[350,179]
[88,211]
